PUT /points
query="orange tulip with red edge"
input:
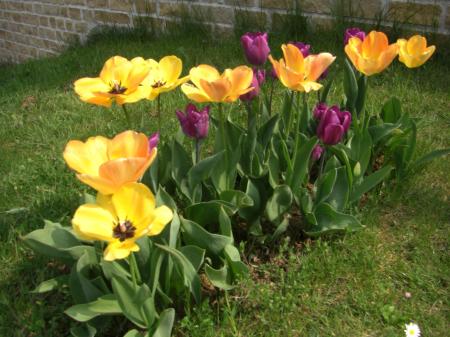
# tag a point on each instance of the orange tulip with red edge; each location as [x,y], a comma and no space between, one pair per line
[300,73]
[107,164]
[119,81]
[208,85]
[414,52]
[120,219]
[372,55]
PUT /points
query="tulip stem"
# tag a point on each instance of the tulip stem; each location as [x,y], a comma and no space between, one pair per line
[322,161]
[158,112]
[270,96]
[127,115]
[222,130]
[288,130]
[135,275]
[197,150]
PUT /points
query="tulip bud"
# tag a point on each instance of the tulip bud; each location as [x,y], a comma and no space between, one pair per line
[256,47]
[153,141]
[353,32]
[317,152]
[319,110]
[357,170]
[194,123]
[333,124]
[258,79]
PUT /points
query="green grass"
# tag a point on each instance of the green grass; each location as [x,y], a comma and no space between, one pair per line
[350,285]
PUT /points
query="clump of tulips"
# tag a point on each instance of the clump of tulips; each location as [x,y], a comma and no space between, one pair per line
[163,216]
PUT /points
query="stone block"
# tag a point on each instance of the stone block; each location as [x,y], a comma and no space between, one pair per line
[414,13]
[278,4]
[145,6]
[112,17]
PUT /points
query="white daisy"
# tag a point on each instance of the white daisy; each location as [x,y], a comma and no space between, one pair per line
[412,330]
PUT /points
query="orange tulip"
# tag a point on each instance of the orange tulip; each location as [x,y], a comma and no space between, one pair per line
[119,80]
[372,55]
[414,52]
[211,86]
[300,73]
[107,164]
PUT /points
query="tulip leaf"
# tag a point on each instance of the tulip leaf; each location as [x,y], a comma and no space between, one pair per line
[207,212]
[300,160]
[51,284]
[279,203]
[105,305]
[350,87]
[330,220]
[194,234]
[165,323]
[326,91]
[339,195]
[181,162]
[203,169]
[265,132]
[361,98]
[325,185]
[369,182]
[281,228]
[361,149]
[237,198]
[190,276]
[85,330]
[220,278]
[391,111]
[131,299]
[234,261]
[427,158]
[194,254]
[163,198]
[133,333]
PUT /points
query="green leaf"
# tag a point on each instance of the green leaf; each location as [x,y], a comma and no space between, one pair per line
[133,333]
[302,154]
[203,169]
[360,100]
[325,185]
[51,284]
[279,203]
[281,228]
[391,111]
[165,323]
[361,149]
[427,158]
[237,198]
[85,330]
[130,299]
[190,276]
[370,182]
[338,197]
[163,198]
[220,278]
[265,132]
[105,305]
[181,162]
[326,91]
[194,234]
[194,254]
[208,212]
[330,220]
[350,86]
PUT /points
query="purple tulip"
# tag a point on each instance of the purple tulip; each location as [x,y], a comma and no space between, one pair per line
[333,124]
[353,32]
[317,152]
[194,123]
[256,47]
[259,77]
[319,110]
[303,47]
[153,141]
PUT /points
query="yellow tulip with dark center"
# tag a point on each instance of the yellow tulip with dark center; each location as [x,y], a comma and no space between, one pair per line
[414,52]
[120,219]
[118,81]
[300,73]
[107,164]
[163,76]
[373,54]
[208,85]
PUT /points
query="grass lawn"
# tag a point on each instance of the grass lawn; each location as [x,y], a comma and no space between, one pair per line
[349,285]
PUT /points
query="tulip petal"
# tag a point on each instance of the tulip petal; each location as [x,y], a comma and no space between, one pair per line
[217,90]
[99,184]
[94,222]
[89,86]
[373,44]
[315,65]
[108,73]
[203,72]
[87,157]
[161,217]
[194,93]
[97,100]
[119,250]
[171,66]
[136,203]
[136,76]
[128,144]
[293,58]
[241,80]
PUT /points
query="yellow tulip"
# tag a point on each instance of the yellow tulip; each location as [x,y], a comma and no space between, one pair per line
[372,55]
[300,73]
[414,52]
[107,164]
[119,80]
[120,219]
[208,85]
[163,75]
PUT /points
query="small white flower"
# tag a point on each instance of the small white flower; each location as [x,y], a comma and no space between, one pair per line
[412,330]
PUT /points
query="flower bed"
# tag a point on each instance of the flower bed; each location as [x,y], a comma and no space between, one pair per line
[163,216]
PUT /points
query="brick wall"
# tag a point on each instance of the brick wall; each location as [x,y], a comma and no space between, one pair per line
[30,29]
